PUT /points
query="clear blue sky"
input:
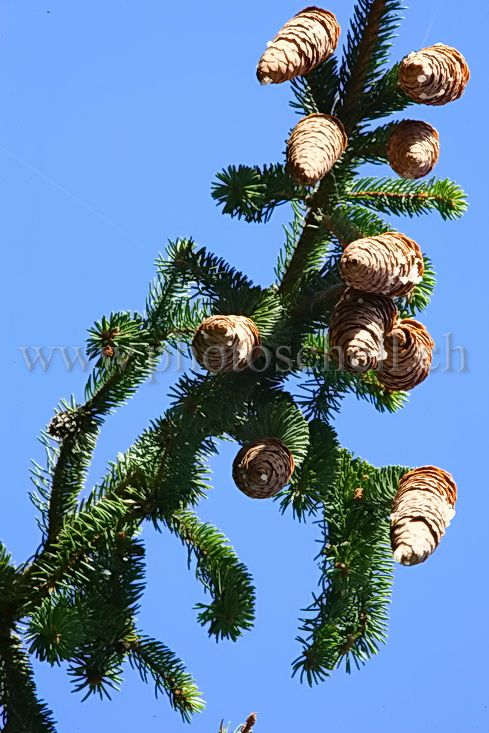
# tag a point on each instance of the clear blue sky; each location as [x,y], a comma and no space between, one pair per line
[116,116]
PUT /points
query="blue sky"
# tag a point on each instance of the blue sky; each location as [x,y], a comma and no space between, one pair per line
[116,117]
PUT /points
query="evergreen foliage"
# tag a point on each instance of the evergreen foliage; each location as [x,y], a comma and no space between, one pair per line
[75,599]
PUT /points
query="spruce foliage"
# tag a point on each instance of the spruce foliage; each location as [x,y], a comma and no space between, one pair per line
[75,599]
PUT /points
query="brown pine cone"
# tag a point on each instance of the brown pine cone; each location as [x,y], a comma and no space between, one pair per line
[408,356]
[226,343]
[262,469]
[435,75]
[358,327]
[390,264]
[306,40]
[421,511]
[413,149]
[314,146]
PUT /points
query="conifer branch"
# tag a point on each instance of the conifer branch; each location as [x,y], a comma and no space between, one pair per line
[327,195]
[349,614]
[412,198]
[80,592]
[366,50]
[22,710]
[312,481]
[386,96]
[252,193]
[154,660]
[371,145]
[218,568]
[318,90]
[321,395]
[351,222]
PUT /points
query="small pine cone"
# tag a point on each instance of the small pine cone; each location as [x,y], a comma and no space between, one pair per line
[413,149]
[421,511]
[314,146]
[226,343]
[306,40]
[390,264]
[408,356]
[358,327]
[64,424]
[435,75]
[262,469]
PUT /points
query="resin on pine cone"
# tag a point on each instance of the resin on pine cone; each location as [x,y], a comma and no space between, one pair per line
[305,41]
[435,75]
[422,509]
[357,329]
[390,264]
[314,146]
[408,356]
[413,149]
[226,343]
[261,469]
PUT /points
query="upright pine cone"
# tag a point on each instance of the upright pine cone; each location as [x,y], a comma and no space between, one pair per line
[314,146]
[435,75]
[262,469]
[306,40]
[390,264]
[226,343]
[358,327]
[413,149]
[408,356]
[421,511]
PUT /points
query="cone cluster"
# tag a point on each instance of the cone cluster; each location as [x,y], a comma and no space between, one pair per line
[358,327]
[226,343]
[305,41]
[435,75]
[64,424]
[408,356]
[413,149]
[421,512]
[262,469]
[390,264]
[314,146]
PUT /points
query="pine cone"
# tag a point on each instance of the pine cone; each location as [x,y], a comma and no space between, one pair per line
[408,356]
[421,511]
[357,329]
[306,40]
[64,424]
[261,469]
[413,149]
[226,343]
[314,146]
[390,264]
[435,75]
